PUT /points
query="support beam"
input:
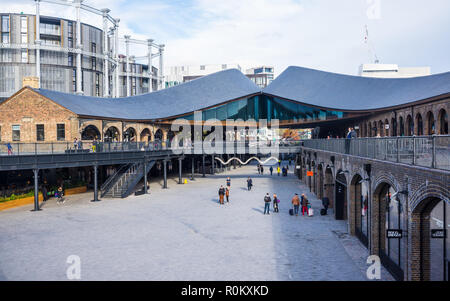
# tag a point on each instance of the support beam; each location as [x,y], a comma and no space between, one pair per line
[145,176]
[38,43]
[95,184]
[150,69]
[116,57]
[79,48]
[165,174]
[161,67]
[192,168]
[127,53]
[36,190]
[180,166]
[105,53]
[203,166]
[212,164]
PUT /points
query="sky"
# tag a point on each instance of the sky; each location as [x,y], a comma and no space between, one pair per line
[321,34]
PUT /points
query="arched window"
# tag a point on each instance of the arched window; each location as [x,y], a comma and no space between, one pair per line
[112,135]
[90,132]
[159,135]
[402,127]
[410,126]
[443,122]
[431,123]
[419,123]
[129,135]
[381,127]
[394,127]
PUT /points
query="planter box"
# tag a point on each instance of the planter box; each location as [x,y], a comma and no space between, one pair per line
[19,202]
[76,190]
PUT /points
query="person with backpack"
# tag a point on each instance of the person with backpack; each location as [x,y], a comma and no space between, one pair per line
[296,203]
[228,182]
[227,194]
[271,170]
[221,194]
[262,170]
[276,201]
[267,202]
[60,195]
[249,183]
[304,203]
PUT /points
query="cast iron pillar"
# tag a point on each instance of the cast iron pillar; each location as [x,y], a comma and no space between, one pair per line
[180,162]
[95,184]
[203,166]
[36,190]
[165,174]
[192,168]
[145,176]
[212,164]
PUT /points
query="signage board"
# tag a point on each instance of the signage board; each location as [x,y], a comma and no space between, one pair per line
[298,167]
[438,233]
[394,233]
[309,173]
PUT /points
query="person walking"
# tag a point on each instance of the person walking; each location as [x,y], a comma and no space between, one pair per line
[262,170]
[44,193]
[276,201]
[10,148]
[227,194]
[278,170]
[304,203]
[267,202]
[60,195]
[271,170]
[249,183]
[228,182]
[259,169]
[221,194]
[75,143]
[80,145]
[296,203]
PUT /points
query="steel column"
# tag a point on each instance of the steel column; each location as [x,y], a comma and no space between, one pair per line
[192,168]
[165,174]
[38,44]
[150,69]
[161,66]
[212,164]
[79,49]
[95,184]
[127,53]
[145,176]
[116,56]
[105,53]
[203,166]
[36,190]
[180,162]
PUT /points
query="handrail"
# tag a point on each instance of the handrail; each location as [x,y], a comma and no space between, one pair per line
[113,177]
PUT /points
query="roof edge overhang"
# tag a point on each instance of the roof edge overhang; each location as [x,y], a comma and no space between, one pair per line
[375,110]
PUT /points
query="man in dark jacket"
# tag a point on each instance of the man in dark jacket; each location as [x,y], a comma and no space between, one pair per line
[221,194]
[249,183]
[267,201]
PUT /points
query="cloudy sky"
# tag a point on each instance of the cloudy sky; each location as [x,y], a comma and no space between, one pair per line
[322,34]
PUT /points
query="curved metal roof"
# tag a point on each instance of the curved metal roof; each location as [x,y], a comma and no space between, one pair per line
[194,95]
[354,93]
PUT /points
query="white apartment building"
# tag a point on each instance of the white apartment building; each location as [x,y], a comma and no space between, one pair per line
[392,71]
[176,75]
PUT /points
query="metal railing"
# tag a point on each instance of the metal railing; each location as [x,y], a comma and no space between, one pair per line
[427,151]
[18,149]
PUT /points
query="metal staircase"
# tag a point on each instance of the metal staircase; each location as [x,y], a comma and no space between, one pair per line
[122,183]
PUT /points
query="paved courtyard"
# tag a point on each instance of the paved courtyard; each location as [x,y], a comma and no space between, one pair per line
[182,233]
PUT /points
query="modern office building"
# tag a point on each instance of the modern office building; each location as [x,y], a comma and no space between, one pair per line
[176,75]
[392,71]
[262,76]
[71,56]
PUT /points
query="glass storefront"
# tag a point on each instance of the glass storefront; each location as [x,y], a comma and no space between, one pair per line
[392,215]
[265,107]
[439,246]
